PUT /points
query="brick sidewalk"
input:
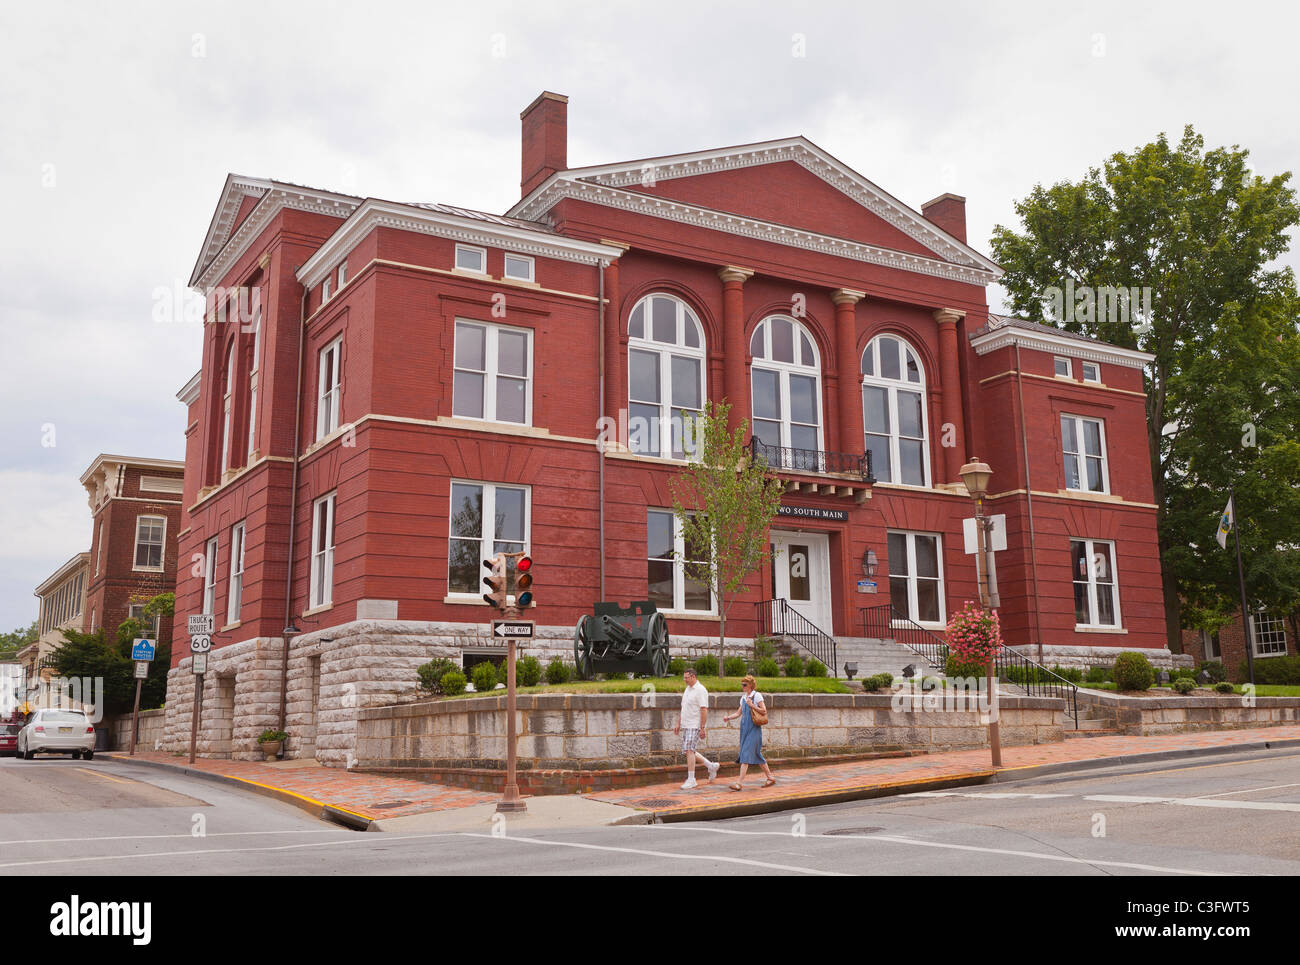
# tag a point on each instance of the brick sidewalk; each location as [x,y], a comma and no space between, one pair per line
[374,796]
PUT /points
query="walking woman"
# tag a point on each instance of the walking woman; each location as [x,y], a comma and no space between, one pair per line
[751,734]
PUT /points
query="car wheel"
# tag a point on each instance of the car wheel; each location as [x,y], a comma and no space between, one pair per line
[76,755]
[88,756]
[29,754]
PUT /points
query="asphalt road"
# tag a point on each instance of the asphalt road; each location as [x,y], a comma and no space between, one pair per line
[1209,816]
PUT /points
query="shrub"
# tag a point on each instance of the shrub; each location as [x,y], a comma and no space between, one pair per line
[794,666]
[676,667]
[1217,671]
[1097,675]
[1273,670]
[886,679]
[1184,685]
[1072,674]
[452,683]
[270,736]
[954,666]
[528,671]
[557,671]
[432,672]
[815,668]
[764,647]
[1188,672]
[484,676]
[1133,671]
[735,666]
[706,666]
[767,667]
[880,681]
[1224,687]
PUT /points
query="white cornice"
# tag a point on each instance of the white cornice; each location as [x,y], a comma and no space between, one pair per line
[373,213]
[799,150]
[131,462]
[189,392]
[59,576]
[679,211]
[1058,344]
[276,198]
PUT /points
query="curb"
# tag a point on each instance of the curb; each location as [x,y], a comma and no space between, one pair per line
[1031,771]
[317,809]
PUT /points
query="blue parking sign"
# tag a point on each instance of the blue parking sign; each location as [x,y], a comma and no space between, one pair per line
[143,649]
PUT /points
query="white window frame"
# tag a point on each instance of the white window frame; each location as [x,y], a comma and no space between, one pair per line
[913,604]
[1096,371]
[325,290]
[1069,367]
[99,548]
[322,552]
[531,263]
[252,381]
[162,546]
[1080,458]
[892,388]
[491,371]
[783,371]
[329,401]
[679,568]
[1262,625]
[210,577]
[235,597]
[227,404]
[1091,549]
[488,538]
[668,432]
[343,274]
[482,259]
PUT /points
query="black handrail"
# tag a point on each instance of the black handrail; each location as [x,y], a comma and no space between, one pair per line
[777,618]
[883,622]
[815,461]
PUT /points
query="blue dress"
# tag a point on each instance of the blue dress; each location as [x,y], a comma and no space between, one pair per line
[751,738]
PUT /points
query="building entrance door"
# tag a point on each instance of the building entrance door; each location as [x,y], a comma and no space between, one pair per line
[801,574]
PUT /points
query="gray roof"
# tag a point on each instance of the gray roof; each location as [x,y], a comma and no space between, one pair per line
[1008,321]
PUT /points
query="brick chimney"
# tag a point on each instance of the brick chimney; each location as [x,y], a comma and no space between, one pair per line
[545,140]
[948,211]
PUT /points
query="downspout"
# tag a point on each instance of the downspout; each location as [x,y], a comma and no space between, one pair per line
[1029,496]
[601,321]
[293,515]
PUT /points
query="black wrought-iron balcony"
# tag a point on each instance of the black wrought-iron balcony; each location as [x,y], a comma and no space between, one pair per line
[849,472]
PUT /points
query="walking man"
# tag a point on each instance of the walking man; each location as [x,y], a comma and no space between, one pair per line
[692,724]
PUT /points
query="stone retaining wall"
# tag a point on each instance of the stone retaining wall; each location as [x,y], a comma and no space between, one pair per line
[1144,716]
[151,731]
[598,731]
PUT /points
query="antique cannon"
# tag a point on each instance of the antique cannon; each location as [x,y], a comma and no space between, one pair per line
[618,640]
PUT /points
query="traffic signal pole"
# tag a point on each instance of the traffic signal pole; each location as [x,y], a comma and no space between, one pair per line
[510,802]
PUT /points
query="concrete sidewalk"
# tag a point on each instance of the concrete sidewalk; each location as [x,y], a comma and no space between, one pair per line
[382,803]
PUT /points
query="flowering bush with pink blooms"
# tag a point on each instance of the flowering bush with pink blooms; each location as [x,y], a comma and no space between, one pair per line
[974,634]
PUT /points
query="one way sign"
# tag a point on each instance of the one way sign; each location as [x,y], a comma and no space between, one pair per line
[513,629]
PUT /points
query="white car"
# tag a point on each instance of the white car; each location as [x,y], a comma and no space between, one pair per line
[53,731]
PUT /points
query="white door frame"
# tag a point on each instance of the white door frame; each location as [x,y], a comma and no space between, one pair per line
[818,609]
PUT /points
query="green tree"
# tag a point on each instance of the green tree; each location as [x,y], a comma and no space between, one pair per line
[11,643]
[1199,231]
[91,655]
[724,504]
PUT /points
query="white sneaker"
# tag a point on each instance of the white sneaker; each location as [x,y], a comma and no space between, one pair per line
[713,770]
[690,783]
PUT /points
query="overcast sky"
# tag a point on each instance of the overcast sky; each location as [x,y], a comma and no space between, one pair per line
[121,121]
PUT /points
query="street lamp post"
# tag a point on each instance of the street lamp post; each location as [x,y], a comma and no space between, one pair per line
[976,475]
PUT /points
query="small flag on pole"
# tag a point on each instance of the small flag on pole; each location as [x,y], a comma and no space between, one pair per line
[1226,522]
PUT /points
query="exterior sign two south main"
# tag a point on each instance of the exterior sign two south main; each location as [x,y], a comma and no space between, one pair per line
[814,512]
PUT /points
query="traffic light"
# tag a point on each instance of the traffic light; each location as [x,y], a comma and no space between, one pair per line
[496,582]
[523,581]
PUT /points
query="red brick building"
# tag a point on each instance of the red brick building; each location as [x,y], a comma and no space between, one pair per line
[392,391]
[1274,633]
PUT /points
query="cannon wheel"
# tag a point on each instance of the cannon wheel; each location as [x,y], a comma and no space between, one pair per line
[582,650]
[657,635]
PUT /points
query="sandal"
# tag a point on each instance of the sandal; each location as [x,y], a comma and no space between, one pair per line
[770,782]
[735,787]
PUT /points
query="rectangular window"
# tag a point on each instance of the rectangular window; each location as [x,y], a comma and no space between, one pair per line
[519,267]
[226,403]
[1084,445]
[1091,372]
[149,625]
[493,365]
[236,573]
[343,275]
[149,532]
[669,585]
[322,552]
[916,577]
[325,292]
[329,389]
[1210,645]
[1096,595]
[469,258]
[486,519]
[99,550]
[1062,367]
[1270,635]
[210,577]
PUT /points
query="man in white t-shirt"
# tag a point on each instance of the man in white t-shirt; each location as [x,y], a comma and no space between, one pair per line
[692,724]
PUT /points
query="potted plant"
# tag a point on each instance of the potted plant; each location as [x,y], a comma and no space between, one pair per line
[271,742]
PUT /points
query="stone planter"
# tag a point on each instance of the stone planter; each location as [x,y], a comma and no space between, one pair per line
[270,749]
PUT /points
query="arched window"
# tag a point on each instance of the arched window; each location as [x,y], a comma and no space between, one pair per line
[785,385]
[665,374]
[893,412]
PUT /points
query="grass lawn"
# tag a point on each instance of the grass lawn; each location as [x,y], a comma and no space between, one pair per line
[670,685]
